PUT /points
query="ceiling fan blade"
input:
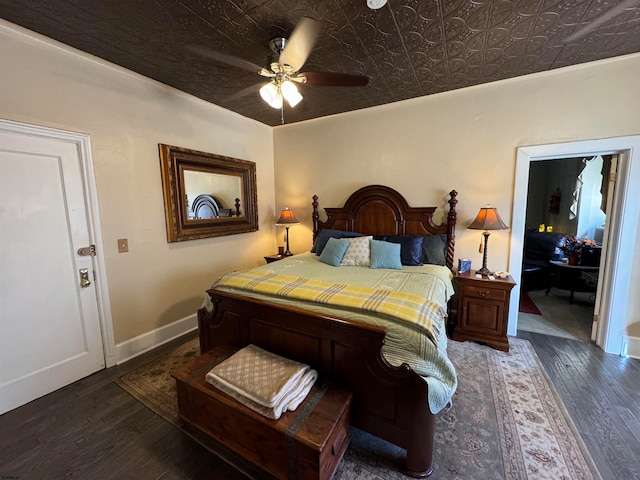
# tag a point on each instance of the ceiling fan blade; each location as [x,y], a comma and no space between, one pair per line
[255,88]
[300,44]
[332,79]
[599,20]
[227,59]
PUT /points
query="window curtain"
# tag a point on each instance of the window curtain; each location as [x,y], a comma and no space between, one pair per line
[573,208]
[604,188]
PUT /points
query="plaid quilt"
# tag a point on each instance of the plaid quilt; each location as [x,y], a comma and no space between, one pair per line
[399,306]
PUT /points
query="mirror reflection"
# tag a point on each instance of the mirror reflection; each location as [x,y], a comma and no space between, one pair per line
[207,195]
[212,195]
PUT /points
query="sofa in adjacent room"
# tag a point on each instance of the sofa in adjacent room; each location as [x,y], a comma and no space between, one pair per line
[539,248]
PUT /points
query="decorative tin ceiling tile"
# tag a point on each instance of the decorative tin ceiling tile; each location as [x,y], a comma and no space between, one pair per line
[409,48]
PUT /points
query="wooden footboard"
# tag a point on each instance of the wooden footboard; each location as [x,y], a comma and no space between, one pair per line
[389,402]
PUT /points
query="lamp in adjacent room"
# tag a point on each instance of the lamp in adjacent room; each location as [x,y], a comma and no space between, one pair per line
[487,219]
[287,218]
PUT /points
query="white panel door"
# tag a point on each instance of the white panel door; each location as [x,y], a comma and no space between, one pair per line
[49,324]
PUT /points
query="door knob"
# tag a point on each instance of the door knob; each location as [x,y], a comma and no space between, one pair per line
[84,278]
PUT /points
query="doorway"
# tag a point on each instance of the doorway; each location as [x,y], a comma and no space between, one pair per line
[54,327]
[563,242]
[614,303]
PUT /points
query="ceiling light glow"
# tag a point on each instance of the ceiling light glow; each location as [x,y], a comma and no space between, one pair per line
[376,4]
[270,93]
[290,93]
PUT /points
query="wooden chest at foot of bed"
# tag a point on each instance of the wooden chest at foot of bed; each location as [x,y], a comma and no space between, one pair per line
[305,444]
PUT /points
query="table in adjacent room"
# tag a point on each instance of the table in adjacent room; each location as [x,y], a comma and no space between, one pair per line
[575,278]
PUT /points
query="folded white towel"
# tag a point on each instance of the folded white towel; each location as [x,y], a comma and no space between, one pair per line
[265,382]
[275,412]
[297,393]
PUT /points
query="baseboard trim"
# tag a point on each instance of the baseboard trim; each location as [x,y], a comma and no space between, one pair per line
[631,347]
[148,341]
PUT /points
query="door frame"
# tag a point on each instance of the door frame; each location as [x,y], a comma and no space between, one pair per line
[622,235]
[83,146]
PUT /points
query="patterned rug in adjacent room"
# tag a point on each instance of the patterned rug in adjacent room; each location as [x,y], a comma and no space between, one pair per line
[507,421]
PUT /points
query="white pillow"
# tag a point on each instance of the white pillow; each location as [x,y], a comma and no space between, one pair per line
[358,253]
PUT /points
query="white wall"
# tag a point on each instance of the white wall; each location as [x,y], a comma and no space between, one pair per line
[464,140]
[45,83]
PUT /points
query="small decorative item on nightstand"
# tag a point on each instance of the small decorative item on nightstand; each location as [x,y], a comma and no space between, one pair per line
[464,265]
[483,309]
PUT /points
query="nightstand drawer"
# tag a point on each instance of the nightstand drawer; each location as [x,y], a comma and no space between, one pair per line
[482,291]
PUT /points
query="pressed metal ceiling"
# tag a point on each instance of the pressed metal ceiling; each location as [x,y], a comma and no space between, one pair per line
[408,48]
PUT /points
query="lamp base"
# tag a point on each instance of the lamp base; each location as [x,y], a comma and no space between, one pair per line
[484,271]
[287,252]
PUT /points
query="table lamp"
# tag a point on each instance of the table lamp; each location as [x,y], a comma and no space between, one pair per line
[287,218]
[487,219]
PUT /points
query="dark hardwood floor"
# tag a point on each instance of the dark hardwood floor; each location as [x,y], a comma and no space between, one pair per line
[602,395]
[93,429]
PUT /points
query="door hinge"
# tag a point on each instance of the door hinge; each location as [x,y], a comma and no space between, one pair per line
[89,251]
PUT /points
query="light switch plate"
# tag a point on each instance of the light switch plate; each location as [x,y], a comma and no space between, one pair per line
[123,245]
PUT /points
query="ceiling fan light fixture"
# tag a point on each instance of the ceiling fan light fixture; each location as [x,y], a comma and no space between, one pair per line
[290,93]
[276,102]
[271,94]
[294,100]
[376,4]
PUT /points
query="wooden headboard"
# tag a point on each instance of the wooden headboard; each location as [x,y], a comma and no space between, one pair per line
[380,210]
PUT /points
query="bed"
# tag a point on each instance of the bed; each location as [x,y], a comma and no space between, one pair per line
[208,206]
[391,402]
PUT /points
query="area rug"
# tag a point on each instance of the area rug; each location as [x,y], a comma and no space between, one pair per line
[507,421]
[526,304]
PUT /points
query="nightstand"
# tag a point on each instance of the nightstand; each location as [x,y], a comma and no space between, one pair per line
[273,258]
[483,309]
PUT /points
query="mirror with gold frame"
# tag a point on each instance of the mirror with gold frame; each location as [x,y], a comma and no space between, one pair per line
[207,195]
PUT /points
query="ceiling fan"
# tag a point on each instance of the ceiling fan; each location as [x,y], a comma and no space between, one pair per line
[283,69]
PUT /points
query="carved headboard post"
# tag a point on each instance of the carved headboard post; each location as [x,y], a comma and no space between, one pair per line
[451,227]
[315,217]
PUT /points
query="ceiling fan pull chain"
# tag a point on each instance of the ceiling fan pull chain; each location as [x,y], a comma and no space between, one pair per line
[282,113]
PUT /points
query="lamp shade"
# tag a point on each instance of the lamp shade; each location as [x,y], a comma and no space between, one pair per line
[270,93]
[287,217]
[488,219]
[290,93]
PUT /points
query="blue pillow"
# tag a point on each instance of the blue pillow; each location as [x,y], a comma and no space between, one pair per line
[334,251]
[385,255]
[325,234]
[434,249]
[410,248]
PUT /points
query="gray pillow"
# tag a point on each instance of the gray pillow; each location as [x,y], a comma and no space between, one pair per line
[434,248]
